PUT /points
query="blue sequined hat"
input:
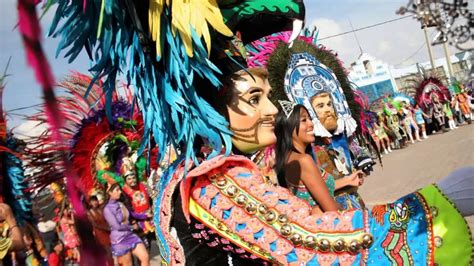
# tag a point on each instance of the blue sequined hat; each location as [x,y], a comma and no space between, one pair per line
[306,77]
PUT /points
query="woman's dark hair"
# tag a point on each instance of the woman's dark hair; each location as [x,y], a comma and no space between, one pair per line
[284,128]
[111,187]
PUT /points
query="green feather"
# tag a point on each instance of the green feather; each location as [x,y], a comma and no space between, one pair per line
[117,178]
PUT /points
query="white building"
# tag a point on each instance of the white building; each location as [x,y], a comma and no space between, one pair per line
[461,64]
[376,78]
[372,76]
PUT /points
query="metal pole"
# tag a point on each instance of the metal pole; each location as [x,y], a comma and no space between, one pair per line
[448,61]
[428,44]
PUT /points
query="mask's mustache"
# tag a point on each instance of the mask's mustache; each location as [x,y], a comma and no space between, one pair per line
[330,116]
[250,135]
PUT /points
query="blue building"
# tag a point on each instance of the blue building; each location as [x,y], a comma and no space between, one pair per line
[373,77]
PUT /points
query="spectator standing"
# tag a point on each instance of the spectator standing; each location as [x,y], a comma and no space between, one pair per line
[47,230]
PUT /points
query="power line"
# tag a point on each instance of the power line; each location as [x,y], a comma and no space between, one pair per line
[416,52]
[366,27]
[24,108]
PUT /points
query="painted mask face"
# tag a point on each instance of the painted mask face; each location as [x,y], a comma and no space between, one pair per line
[306,129]
[323,106]
[251,114]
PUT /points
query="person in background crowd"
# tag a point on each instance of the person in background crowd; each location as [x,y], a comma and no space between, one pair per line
[31,255]
[47,230]
[124,241]
[381,132]
[419,117]
[409,122]
[11,238]
[464,100]
[457,111]
[100,226]
[449,115]
[71,240]
[56,257]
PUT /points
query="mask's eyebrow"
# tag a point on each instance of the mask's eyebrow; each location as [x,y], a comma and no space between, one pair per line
[252,90]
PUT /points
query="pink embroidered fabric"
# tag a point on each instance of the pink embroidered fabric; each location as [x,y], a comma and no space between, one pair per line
[250,228]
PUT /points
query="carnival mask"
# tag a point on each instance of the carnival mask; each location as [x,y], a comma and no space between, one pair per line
[251,114]
[312,84]
[323,106]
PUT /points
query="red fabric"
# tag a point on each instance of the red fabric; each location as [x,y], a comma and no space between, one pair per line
[139,197]
[54,259]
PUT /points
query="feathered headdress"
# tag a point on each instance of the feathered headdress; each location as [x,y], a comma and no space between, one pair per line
[327,69]
[87,128]
[425,86]
[13,185]
[161,47]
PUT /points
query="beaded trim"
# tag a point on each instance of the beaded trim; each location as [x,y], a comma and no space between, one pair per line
[429,230]
[290,235]
[365,252]
[299,236]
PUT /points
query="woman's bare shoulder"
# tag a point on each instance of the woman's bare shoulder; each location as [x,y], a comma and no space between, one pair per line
[303,159]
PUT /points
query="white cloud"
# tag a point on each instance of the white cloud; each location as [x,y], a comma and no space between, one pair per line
[29,129]
[343,45]
[396,43]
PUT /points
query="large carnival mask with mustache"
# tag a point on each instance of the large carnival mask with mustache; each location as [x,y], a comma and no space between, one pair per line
[310,83]
[251,114]
[323,106]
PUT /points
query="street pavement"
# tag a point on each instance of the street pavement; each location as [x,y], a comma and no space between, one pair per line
[420,164]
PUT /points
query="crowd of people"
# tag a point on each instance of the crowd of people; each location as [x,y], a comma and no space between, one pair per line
[401,123]
[54,241]
[266,169]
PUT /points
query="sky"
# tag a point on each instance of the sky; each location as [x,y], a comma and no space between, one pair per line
[393,43]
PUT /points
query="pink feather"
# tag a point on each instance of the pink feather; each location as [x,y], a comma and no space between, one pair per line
[30,30]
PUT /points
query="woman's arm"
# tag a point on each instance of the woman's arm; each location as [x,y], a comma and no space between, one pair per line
[14,232]
[114,223]
[349,180]
[312,179]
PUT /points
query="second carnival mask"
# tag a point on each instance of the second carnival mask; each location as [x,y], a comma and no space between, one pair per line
[306,78]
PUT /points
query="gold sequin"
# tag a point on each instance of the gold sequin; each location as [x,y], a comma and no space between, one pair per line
[339,245]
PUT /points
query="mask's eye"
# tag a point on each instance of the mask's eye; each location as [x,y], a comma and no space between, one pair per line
[254,100]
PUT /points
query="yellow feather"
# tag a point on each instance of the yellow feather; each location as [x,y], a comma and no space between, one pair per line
[207,38]
[214,17]
[154,22]
[187,15]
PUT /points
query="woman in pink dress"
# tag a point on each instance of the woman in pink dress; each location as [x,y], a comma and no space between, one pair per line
[71,240]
